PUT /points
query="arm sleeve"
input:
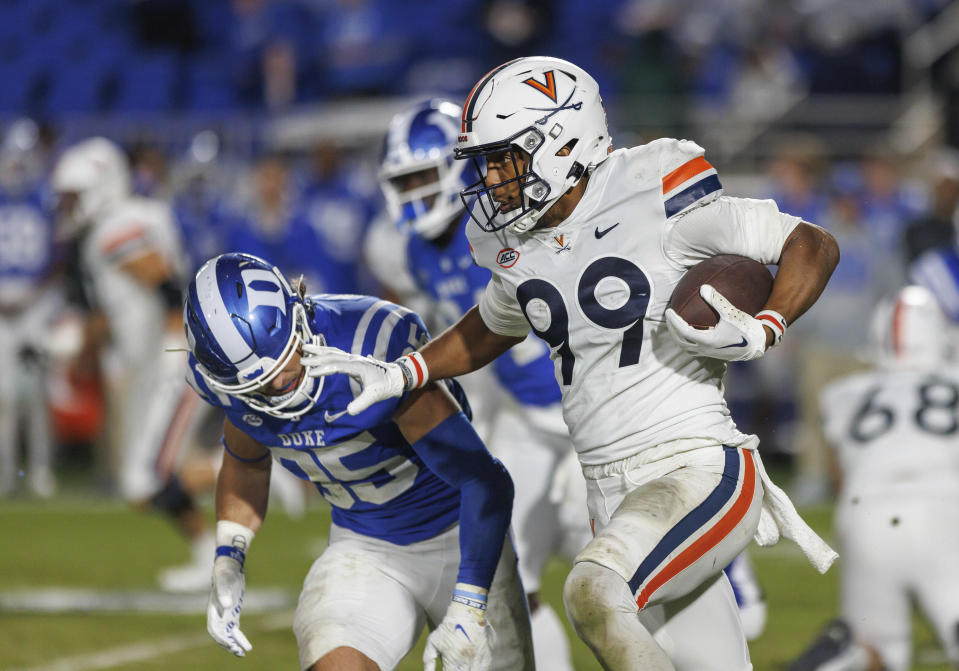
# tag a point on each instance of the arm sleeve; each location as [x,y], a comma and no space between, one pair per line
[753,228]
[500,311]
[456,454]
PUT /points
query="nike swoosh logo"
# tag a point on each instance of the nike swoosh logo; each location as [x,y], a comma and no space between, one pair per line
[598,233]
[739,344]
[505,116]
[329,417]
[459,627]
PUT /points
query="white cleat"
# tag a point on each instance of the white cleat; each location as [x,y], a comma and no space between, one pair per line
[185,579]
[195,576]
[43,484]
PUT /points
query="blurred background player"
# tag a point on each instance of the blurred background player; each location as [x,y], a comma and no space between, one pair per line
[421,509]
[130,252]
[894,431]
[421,183]
[31,300]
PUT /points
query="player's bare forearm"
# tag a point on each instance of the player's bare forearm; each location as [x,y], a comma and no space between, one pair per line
[809,256]
[464,347]
[242,487]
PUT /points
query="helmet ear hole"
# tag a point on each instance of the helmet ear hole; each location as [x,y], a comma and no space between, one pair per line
[567,148]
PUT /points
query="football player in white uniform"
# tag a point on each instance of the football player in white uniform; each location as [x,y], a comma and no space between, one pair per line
[894,431]
[421,183]
[131,252]
[585,246]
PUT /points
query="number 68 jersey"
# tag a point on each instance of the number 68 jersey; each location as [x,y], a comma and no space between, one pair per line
[895,433]
[596,288]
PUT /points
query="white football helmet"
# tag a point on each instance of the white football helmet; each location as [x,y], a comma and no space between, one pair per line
[20,163]
[910,331]
[97,172]
[538,105]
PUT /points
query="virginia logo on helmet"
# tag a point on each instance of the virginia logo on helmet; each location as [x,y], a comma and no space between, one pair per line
[548,89]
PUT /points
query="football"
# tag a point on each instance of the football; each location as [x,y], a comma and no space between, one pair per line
[744,282]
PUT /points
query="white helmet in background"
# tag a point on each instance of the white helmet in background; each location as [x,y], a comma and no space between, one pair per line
[97,173]
[539,105]
[911,331]
[21,165]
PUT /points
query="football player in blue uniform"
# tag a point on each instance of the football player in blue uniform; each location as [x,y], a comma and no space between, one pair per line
[420,508]
[421,183]
[31,300]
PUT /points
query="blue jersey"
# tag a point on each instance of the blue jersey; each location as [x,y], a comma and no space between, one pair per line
[449,276]
[362,465]
[303,247]
[27,247]
[938,270]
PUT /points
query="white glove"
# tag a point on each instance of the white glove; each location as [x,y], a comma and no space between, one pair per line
[379,380]
[226,596]
[463,640]
[736,337]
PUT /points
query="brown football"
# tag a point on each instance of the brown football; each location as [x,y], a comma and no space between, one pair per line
[744,282]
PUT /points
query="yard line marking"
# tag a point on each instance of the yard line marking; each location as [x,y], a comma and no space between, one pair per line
[140,652]
[64,600]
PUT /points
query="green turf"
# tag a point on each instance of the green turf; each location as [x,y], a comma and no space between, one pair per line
[81,543]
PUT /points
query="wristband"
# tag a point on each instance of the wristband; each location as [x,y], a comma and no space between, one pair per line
[415,373]
[775,322]
[470,595]
[233,553]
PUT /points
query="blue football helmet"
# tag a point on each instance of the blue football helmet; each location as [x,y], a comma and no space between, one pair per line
[420,180]
[244,324]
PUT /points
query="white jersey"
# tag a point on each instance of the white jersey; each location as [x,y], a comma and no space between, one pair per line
[135,312]
[596,289]
[896,433]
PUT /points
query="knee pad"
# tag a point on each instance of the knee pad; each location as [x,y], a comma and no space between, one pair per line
[172,499]
[593,593]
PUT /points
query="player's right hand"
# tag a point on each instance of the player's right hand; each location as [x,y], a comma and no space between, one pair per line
[379,380]
[463,640]
[226,600]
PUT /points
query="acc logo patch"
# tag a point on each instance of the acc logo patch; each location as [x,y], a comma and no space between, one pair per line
[507,257]
[253,420]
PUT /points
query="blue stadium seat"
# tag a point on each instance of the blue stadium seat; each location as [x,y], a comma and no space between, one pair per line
[146,84]
[77,87]
[208,85]
[18,77]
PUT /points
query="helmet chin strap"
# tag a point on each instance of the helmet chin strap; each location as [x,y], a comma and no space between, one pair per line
[528,222]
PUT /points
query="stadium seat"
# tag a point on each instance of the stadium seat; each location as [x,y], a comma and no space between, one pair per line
[208,85]
[77,87]
[147,83]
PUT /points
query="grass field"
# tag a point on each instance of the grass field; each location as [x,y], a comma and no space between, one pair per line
[113,554]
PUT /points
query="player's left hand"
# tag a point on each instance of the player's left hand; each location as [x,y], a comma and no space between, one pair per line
[463,640]
[736,337]
[226,600]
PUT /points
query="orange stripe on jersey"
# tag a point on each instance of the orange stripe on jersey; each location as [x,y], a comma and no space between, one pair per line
[686,171]
[114,243]
[711,538]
